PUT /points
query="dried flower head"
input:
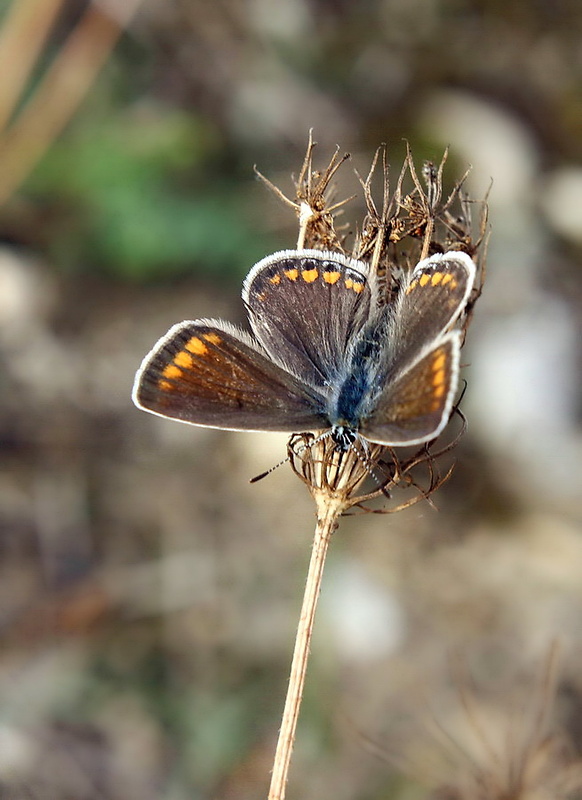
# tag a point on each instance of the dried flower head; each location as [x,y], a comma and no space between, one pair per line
[491,750]
[519,758]
[414,223]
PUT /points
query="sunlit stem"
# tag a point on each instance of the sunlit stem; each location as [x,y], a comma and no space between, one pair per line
[329,510]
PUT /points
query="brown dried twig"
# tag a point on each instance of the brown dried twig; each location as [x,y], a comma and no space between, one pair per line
[26,136]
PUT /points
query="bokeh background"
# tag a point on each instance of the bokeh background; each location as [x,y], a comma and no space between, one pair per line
[148,593]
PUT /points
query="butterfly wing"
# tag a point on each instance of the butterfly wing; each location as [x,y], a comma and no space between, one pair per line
[208,373]
[422,368]
[428,305]
[415,407]
[304,307]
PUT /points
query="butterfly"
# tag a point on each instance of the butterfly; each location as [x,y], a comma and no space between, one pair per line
[326,353]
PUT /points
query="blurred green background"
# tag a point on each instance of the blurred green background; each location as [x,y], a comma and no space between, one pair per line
[148,593]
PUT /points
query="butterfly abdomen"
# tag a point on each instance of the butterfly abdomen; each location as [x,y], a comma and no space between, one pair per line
[357,388]
[352,392]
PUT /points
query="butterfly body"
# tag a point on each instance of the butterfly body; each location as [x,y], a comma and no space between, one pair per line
[325,353]
[357,388]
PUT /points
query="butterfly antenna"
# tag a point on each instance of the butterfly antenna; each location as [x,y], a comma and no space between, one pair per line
[285,460]
[317,439]
[362,455]
[268,471]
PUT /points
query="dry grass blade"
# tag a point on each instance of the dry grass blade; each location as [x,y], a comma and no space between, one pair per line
[25,30]
[523,760]
[492,752]
[60,90]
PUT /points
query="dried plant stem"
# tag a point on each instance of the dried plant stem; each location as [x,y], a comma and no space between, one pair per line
[306,215]
[60,91]
[24,31]
[330,508]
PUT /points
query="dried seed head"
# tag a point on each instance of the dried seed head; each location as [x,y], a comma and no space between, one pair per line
[414,221]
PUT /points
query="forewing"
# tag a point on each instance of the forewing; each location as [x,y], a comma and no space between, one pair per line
[304,307]
[208,373]
[429,304]
[416,406]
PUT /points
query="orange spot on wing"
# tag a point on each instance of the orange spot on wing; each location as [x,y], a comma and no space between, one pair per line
[292,274]
[424,279]
[184,359]
[412,286]
[275,279]
[172,371]
[309,275]
[196,346]
[439,391]
[213,338]
[439,378]
[439,362]
[447,278]
[437,278]
[165,386]
[355,286]
[331,277]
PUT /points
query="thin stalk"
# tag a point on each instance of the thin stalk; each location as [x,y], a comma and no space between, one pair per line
[306,215]
[329,508]
[24,31]
[61,90]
